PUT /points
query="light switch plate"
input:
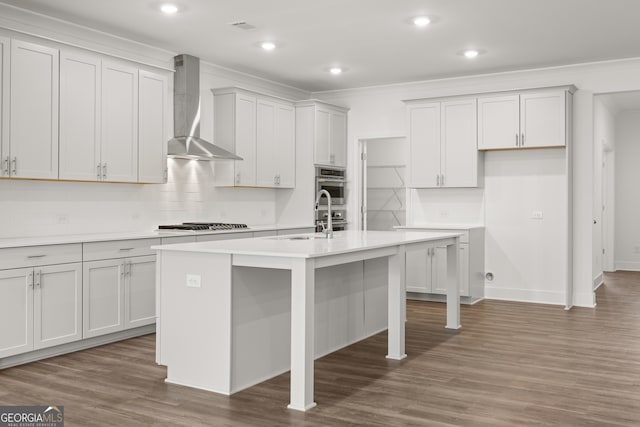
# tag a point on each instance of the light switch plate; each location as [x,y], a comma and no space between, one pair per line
[194,280]
[536,215]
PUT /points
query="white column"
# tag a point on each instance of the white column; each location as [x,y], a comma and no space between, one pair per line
[302,333]
[453,285]
[397,305]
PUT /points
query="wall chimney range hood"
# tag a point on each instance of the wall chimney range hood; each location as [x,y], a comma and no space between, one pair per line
[187,144]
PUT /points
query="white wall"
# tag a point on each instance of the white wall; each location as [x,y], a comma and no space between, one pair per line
[627,194]
[379,111]
[51,208]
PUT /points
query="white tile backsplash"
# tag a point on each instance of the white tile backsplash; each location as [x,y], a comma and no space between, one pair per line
[44,208]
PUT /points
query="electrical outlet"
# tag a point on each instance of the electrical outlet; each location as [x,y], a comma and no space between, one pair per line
[536,215]
[62,218]
[194,281]
[444,214]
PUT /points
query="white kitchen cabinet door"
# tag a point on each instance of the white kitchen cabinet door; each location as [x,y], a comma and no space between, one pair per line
[152,132]
[103,297]
[286,145]
[245,140]
[57,304]
[266,144]
[424,145]
[119,150]
[80,99]
[459,155]
[440,270]
[16,311]
[338,139]
[140,291]
[5,49]
[542,119]
[33,140]
[498,122]
[322,137]
[418,269]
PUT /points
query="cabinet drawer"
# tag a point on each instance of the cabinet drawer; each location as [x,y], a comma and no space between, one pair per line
[463,239]
[118,249]
[30,256]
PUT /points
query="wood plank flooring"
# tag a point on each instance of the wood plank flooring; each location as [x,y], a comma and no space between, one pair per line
[511,364]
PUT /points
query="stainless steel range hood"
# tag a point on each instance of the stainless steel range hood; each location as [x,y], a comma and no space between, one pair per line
[187,144]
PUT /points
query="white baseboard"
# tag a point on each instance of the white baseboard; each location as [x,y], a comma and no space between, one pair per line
[524,295]
[628,265]
[597,281]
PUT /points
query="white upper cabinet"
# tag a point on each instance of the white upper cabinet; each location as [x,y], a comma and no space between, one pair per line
[119,149]
[526,120]
[275,146]
[260,129]
[443,144]
[330,145]
[33,139]
[234,116]
[80,80]
[5,48]
[152,132]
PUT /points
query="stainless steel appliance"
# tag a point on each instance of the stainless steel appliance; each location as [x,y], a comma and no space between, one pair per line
[338,219]
[202,226]
[334,181]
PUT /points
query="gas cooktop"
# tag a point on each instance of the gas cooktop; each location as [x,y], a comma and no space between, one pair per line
[203,226]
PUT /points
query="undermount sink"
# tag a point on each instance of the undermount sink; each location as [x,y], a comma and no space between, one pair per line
[296,237]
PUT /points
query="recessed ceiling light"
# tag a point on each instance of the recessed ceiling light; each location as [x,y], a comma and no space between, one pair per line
[335,70]
[421,21]
[471,53]
[268,45]
[169,9]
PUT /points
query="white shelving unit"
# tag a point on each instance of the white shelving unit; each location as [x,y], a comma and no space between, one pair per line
[386,191]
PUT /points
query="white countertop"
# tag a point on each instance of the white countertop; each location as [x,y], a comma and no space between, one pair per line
[15,242]
[439,226]
[283,246]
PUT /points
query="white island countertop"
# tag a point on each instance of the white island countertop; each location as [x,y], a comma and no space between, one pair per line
[214,313]
[309,245]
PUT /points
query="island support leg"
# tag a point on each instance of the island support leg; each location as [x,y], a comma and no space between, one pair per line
[302,334]
[397,305]
[453,285]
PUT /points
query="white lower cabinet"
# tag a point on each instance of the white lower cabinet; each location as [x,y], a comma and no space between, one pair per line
[426,266]
[39,307]
[118,292]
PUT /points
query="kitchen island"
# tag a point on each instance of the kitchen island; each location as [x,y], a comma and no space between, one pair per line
[231,314]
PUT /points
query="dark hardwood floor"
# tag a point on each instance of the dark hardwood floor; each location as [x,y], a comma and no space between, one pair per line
[511,364]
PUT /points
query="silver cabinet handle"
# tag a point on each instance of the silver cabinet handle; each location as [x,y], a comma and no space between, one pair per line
[36,280]
[127,271]
[238,178]
[517,141]
[15,165]
[6,165]
[332,159]
[36,256]
[98,169]
[522,140]
[104,170]
[30,279]
[441,180]
[122,269]
[126,249]
[438,180]
[166,174]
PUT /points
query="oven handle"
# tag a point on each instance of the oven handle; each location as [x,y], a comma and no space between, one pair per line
[337,181]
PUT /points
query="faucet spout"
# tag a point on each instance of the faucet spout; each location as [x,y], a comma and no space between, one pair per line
[328,231]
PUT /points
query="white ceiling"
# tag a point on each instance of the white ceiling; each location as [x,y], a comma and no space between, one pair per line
[373,39]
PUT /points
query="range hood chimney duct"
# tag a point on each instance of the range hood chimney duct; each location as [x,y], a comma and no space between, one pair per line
[187,144]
